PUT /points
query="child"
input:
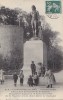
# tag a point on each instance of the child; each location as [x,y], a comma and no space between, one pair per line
[21,75]
[30,81]
[36,79]
[15,77]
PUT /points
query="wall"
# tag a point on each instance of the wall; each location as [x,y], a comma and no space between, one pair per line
[11,37]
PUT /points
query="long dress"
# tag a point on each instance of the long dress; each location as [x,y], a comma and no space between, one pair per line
[1,75]
[38,70]
[49,77]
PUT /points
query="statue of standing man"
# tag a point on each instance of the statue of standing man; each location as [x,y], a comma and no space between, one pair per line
[35,21]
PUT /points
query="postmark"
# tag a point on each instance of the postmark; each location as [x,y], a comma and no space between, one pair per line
[53,9]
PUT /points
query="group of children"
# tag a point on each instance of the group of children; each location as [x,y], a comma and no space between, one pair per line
[21,76]
[36,72]
[33,80]
[40,71]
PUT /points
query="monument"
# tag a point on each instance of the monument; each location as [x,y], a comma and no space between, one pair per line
[35,49]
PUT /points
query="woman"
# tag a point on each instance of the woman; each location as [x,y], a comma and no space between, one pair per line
[2,76]
[38,69]
[49,78]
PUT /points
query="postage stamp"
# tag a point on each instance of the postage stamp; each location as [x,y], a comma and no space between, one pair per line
[53,8]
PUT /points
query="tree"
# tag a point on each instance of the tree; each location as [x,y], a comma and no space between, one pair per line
[54,53]
[49,36]
[55,58]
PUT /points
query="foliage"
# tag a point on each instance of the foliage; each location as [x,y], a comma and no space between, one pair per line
[55,58]
[54,53]
[10,16]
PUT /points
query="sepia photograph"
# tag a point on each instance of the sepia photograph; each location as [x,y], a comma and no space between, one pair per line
[31,50]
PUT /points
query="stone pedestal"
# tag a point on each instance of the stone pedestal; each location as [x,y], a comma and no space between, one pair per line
[33,51]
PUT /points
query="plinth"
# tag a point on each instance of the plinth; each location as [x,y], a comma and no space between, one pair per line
[33,51]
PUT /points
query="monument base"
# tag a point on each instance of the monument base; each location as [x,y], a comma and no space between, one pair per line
[42,81]
[33,51]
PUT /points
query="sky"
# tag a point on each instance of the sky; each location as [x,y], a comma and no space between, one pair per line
[56,24]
